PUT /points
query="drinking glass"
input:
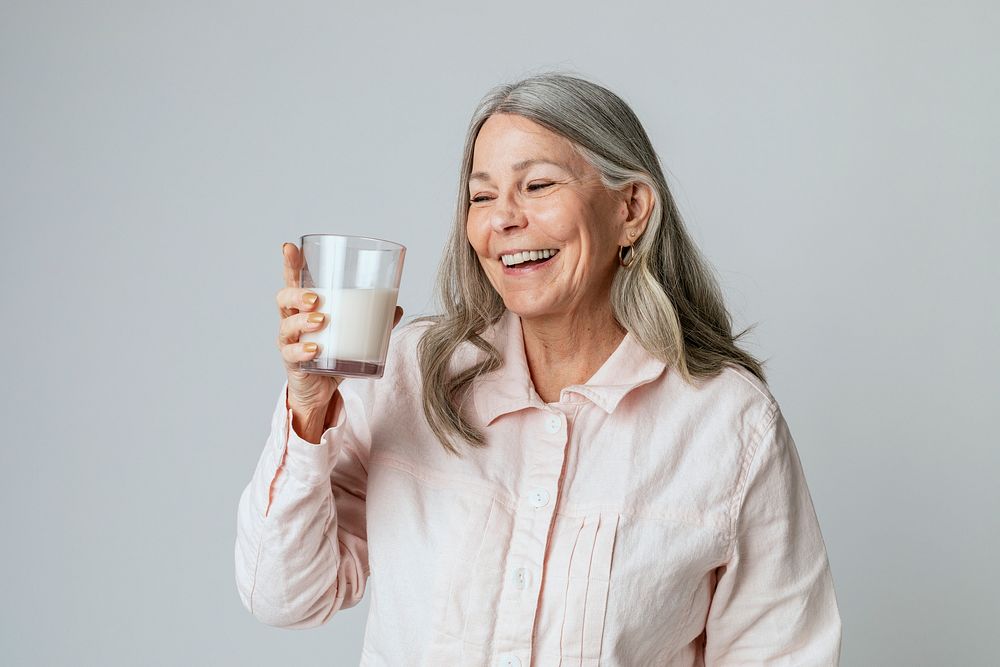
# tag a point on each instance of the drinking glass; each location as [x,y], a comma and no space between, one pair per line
[357,281]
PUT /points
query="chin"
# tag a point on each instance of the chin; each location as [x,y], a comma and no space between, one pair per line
[526,311]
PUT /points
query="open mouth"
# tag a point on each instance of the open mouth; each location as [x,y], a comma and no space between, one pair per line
[521,261]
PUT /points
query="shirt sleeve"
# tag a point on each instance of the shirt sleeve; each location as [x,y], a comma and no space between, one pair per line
[774,602]
[301,543]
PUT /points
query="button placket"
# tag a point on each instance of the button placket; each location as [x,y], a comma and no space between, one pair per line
[518,609]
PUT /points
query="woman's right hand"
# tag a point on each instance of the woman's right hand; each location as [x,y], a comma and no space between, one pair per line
[309,394]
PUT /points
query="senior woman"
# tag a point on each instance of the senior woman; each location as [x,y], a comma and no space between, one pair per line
[574,463]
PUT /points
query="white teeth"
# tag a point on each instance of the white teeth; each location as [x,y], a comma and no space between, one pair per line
[519,257]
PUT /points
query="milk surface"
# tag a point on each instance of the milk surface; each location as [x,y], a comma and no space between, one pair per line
[357,323]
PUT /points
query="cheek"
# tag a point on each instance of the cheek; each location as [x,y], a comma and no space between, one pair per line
[564,219]
[476,233]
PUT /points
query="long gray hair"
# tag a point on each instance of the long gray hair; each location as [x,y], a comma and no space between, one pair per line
[668,297]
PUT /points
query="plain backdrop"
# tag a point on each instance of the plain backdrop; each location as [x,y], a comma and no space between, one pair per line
[836,162]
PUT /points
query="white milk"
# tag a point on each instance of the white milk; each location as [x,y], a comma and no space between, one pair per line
[357,323]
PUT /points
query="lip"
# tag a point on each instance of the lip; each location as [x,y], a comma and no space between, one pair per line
[521,269]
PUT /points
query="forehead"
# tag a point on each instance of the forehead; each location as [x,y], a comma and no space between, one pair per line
[505,139]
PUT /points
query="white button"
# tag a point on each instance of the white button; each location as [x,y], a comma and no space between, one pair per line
[553,424]
[538,498]
[509,661]
[522,578]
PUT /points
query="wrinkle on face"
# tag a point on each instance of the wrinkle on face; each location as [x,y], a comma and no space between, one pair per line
[576,214]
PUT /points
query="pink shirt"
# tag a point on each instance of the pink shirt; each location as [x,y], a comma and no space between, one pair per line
[636,522]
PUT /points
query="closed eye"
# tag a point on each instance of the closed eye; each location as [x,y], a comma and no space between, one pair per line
[533,187]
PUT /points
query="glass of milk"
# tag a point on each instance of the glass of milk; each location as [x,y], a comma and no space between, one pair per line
[357,280]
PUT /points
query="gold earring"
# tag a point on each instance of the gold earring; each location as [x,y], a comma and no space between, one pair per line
[626,258]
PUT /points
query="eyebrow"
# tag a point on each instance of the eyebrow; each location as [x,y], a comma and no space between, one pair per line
[518,166]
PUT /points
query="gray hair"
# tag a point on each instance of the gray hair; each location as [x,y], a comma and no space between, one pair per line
[668,297]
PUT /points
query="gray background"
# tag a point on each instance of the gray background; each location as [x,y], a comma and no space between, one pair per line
[835,161]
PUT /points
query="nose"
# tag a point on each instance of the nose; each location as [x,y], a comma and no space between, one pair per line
[507,215]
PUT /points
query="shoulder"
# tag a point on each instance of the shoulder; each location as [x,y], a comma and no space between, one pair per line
[734,400]
[403,355]
[401,363]
[405,337]
[740,381]
[731,380]
[405,343]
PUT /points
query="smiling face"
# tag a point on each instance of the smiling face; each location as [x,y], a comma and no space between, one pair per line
[531,191]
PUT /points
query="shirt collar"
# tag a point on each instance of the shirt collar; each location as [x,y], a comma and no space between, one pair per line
[509,388]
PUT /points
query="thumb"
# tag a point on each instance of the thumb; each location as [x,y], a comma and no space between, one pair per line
[398,316]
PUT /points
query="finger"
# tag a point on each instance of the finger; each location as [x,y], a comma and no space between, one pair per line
[292,327]
[292,354]
[291,300]
[293,264]
[398,316]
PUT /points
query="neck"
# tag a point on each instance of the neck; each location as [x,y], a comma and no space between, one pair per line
[567,349]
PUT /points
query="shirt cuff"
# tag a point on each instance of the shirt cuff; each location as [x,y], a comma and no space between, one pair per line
[311,463]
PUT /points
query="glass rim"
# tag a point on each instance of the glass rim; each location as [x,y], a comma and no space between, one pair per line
[356,236]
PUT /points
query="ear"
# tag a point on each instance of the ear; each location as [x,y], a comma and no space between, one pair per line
[637,205]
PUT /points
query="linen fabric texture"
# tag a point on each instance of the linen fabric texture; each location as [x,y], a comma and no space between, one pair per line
[636,521]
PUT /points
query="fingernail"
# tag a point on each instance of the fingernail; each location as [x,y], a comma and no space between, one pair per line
[309,347]
[315,318]
[309,298]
